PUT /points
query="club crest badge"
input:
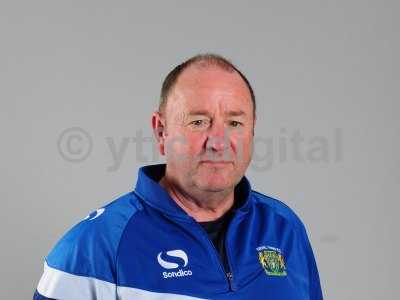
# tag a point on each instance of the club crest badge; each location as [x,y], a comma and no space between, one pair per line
[272,261]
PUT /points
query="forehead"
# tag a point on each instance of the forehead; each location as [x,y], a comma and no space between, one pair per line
[202,87]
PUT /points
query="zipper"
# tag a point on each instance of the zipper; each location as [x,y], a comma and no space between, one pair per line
[228,275]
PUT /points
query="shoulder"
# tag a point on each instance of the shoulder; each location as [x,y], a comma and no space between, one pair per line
[278,208]
[90,247]
[297,247]
[281,218]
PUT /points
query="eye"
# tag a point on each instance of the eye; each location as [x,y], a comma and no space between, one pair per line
[235,123]
[197,122]
[200,123]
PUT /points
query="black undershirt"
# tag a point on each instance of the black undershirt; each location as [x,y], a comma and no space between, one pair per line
[217,229]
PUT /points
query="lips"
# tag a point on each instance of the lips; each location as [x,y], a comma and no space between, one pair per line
[216,163]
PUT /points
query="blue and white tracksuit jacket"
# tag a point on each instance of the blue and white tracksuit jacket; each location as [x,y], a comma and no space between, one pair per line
[143,246]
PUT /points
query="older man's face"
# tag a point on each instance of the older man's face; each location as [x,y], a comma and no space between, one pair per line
[209,127]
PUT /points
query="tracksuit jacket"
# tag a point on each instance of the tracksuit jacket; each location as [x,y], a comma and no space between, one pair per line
[144,246]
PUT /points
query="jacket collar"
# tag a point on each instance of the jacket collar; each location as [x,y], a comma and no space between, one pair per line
[148,188]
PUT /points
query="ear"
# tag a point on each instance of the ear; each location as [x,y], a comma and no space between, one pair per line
[158,125]
[254,124]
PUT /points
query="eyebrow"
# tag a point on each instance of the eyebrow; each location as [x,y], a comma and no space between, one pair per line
[228,113]
[197,112]
[236,113]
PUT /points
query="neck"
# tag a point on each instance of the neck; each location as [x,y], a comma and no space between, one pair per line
[203,206]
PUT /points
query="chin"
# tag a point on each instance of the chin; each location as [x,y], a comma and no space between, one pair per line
[214,179]
[214,184]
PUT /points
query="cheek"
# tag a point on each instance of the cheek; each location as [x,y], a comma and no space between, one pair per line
[195,143]
[184,144]
[242,145]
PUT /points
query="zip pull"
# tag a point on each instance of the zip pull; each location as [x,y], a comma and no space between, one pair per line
[229,275]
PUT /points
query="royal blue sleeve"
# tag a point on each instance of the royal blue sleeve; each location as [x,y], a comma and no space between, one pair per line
[315,284]
[82,265]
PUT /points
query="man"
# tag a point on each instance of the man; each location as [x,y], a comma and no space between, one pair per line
[193,228]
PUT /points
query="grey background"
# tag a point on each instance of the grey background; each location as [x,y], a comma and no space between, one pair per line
[316,66]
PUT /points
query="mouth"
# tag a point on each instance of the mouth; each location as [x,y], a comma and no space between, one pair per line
[213,163]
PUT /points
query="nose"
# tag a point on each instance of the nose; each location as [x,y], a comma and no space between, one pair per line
[217,139]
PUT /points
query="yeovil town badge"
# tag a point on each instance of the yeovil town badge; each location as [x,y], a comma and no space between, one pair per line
[272,261]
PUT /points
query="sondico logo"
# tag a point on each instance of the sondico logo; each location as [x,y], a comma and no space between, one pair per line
[173,265]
